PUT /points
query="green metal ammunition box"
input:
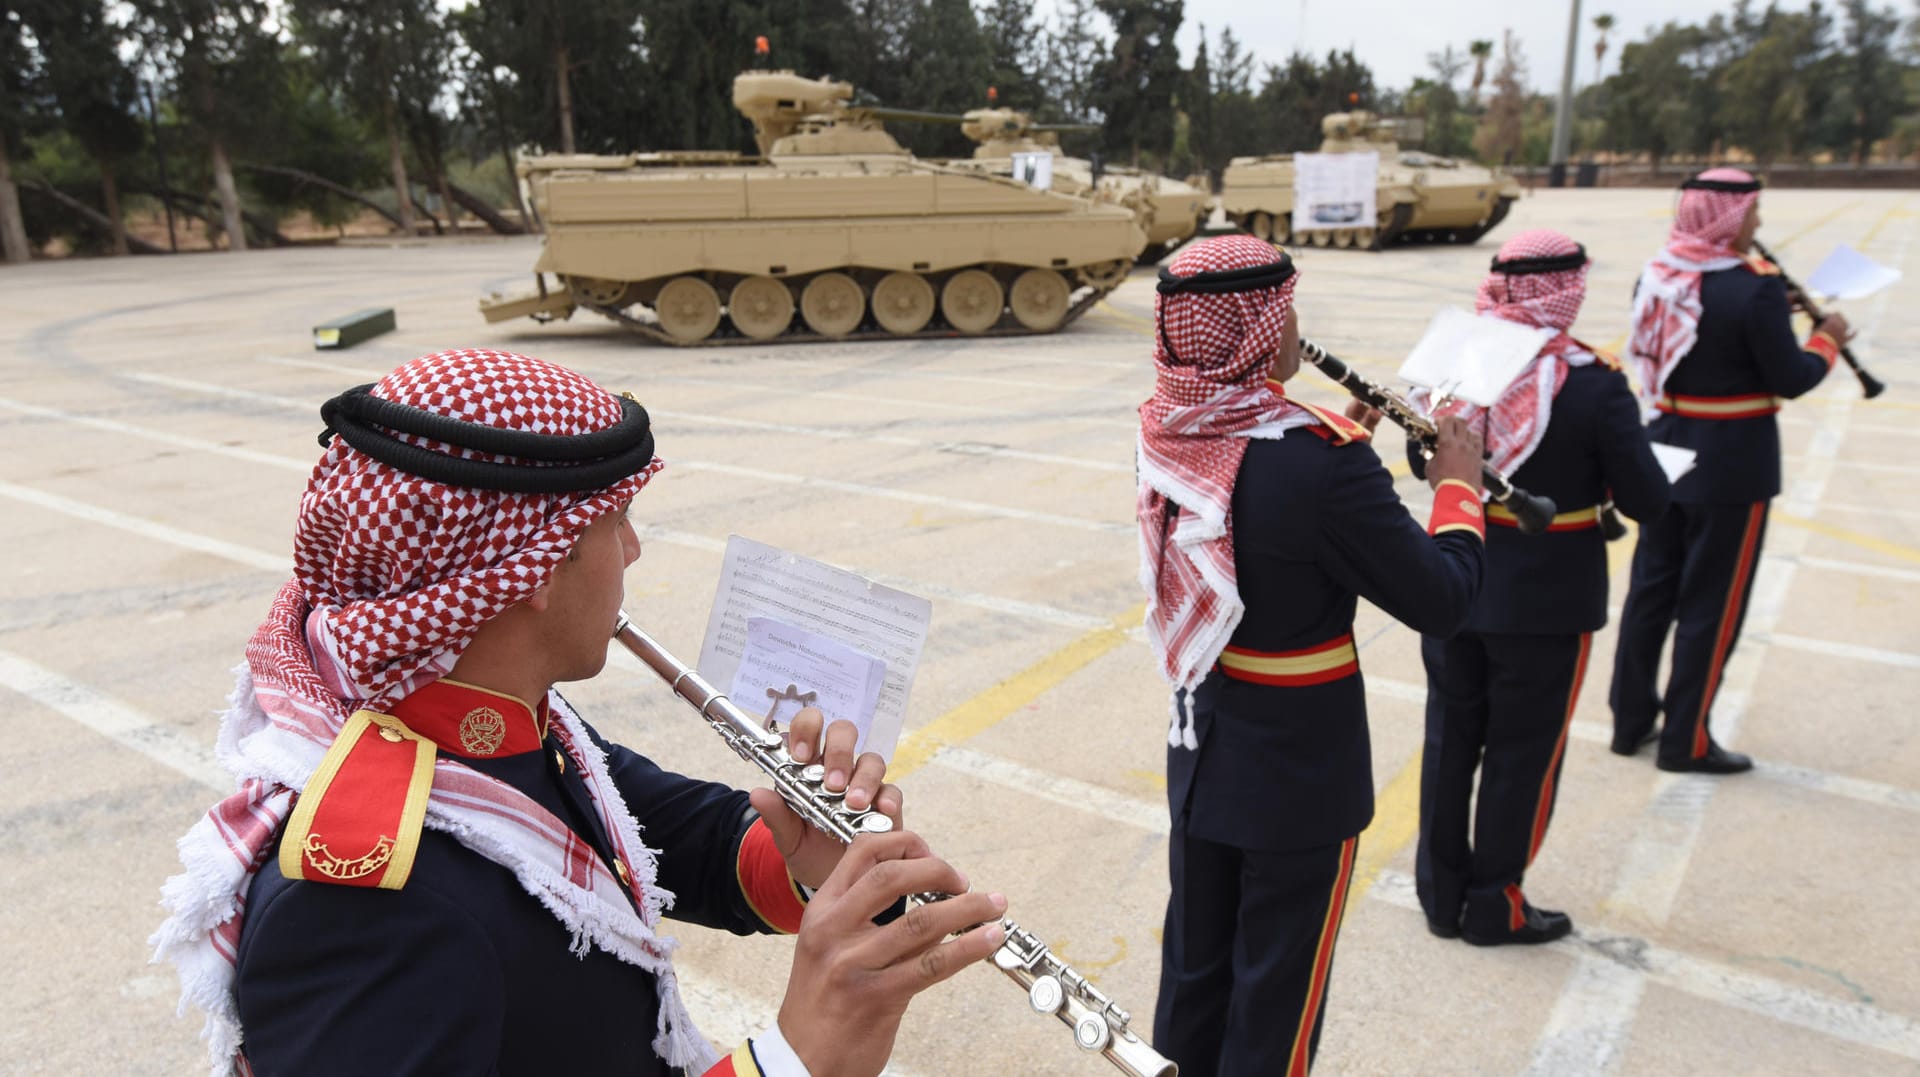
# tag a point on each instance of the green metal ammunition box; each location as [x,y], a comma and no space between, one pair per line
[354,328]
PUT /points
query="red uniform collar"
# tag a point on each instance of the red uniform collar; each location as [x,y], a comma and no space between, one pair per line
[473,722]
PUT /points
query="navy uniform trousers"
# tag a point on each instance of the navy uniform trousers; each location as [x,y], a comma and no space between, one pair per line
[1694,569]
[1501,694]
[1268,803]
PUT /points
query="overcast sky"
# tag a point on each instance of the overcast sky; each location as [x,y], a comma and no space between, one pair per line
[1393,37]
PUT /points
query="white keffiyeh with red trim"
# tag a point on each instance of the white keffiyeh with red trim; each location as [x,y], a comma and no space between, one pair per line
[393,574]
[1515,425]
[1666,304]
[1210,394]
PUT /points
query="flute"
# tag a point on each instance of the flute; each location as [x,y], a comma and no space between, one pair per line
[1533,512]
[1870,386]
[1052,986]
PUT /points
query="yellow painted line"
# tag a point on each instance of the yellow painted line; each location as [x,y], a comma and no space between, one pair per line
[1396,819]
[1783,244]
[1899,405]
[1126,316]
[1898,210]
[1865,542]
[989,708]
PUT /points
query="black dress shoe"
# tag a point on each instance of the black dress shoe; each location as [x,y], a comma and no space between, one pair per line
[1542,925]
[1623,745]
[1717,761]
[1443,929]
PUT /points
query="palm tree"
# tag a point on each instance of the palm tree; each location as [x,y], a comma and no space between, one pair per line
[1603,23]
[1482,51]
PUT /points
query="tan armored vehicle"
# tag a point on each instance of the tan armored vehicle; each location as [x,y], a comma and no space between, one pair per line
[1171,211]
[835,232]
[1420,198]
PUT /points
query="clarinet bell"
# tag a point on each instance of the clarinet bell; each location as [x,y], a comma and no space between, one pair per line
[1532,512]
[1871,386]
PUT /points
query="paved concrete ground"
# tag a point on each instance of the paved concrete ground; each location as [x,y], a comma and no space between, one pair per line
[157,420]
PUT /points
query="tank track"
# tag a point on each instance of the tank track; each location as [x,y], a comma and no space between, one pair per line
[798,333]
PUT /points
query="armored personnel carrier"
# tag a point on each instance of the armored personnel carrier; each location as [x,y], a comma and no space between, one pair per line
[1171,211]
[1420,198]
[834,232]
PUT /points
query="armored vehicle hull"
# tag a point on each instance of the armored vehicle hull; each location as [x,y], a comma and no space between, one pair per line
[1419,198]
[810,245]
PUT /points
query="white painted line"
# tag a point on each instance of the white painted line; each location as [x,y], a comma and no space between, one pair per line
[1859,465]
[1870,510]
[870,400]
[1877,794]
[1150,816]
[1593,1044]
[978,508]
[1855,568]
[1836,649]
[1789,419]
[1011,607]
[180,441]
[959,448]
[113,720]
[145,528]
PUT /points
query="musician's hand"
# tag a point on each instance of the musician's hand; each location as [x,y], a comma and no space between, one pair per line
[1456,452]
[811,855]
[1835,326]
[852,979]
[1364,413]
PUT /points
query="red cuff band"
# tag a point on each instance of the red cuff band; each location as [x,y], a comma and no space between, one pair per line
[764,880]
[1825,347]
[1456,507]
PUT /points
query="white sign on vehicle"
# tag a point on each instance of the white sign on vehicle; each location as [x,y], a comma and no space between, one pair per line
[1335,190]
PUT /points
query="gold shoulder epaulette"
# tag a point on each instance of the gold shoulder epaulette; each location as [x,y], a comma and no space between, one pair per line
[358,822]
[1344,431]
[1606,358]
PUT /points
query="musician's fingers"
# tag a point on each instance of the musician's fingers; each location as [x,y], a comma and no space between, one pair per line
[838,755]
[803,736]
[868,852]
[1363,413]
[892,803]
[868,773]
[886,881]
[783,822]
[942,961]
[923,927]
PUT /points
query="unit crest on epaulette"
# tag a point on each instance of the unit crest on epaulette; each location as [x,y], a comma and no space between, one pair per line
[358,821]
[1761,266]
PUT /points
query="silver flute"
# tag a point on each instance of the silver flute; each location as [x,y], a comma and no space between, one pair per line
[1052,986]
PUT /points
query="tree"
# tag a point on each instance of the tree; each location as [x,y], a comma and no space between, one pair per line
[1439,103]
[1602,22]
[1196,102]
[1872,93]
[92,89]
[221,60]
[1135,83]
[1500,137]
[1663,96]
[1769,94]
[1016,52]
[1481,51]
[16,79]
[1073,53]
[952,69]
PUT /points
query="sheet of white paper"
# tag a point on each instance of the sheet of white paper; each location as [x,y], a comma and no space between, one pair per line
[783,661]
[1335,190]
[1034,169]
[757,580]
[1674,460]
[1470,357]
[1848,274]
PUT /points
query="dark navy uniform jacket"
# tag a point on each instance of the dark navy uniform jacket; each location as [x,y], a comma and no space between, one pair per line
[1745,348]
[1555,583]
[1316,527]
[336,980]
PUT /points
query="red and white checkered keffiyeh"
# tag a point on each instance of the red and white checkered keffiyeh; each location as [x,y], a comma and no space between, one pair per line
[1666,305]
[1209,395]
[393,574]
[1517,422]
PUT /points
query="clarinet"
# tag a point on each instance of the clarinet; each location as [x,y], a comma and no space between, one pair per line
[1870,386]
[1533,512]
[1052,986]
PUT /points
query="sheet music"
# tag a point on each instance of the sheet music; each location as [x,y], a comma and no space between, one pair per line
[1674,460]
[1848,274]
[1470,357]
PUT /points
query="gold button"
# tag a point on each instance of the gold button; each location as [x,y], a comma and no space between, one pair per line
[560,760]
[621,867]
[388,733]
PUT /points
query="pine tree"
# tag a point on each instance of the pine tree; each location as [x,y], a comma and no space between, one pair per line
[1135,83]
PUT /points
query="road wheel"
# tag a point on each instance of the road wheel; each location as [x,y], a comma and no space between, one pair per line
[903,303]
[972,301]
[1039,299]
[1105,276]
[761,307]
[833,304]
[688,308]
[1261,225]
[1343,237]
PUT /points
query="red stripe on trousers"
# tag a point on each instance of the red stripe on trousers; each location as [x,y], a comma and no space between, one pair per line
[1729,616]
[1322,963]
[1545,807]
